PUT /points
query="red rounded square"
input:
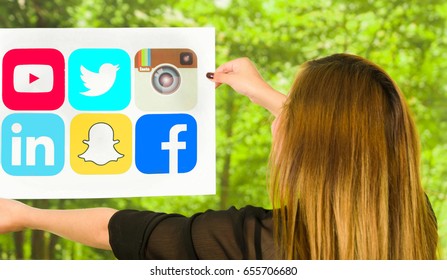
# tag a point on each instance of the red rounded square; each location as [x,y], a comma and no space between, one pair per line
[33,79]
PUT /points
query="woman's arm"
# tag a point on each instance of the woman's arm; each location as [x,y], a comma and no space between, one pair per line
[241,74]
[86,226]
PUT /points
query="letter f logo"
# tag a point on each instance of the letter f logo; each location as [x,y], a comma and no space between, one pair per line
[174,145]
[166,143]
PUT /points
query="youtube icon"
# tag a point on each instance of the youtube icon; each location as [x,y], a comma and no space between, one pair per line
[33,79]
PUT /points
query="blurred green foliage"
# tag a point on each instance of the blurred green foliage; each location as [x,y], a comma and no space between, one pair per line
[407,38]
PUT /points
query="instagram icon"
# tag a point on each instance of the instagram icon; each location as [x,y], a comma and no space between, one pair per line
[165,79]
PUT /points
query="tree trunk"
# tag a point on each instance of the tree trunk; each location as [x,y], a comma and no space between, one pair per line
[37,245]
[38,248]
[18,245]
[225,181]
[226,174]
[54,238]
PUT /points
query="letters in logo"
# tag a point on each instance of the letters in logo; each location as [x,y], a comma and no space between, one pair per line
[166,143]
[32,144]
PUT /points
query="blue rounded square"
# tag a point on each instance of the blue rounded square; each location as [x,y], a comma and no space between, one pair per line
[99,79]
[166,143]
[33,144]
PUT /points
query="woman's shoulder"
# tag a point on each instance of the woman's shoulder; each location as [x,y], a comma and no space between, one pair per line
[237,233]
[233,212]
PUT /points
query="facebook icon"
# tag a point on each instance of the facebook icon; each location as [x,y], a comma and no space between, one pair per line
[166,143]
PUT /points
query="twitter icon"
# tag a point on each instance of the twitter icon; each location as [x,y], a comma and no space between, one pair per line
[101,82]
[99,79]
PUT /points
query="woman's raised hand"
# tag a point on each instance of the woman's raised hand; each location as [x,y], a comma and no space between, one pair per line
[241,74]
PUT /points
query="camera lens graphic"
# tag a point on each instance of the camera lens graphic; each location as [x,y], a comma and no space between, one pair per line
[166,79]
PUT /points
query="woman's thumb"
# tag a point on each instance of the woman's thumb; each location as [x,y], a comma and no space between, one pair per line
[220,78]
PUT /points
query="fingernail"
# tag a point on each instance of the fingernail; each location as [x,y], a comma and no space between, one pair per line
[210,75]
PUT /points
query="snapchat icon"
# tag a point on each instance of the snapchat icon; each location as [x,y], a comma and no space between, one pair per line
[100,143]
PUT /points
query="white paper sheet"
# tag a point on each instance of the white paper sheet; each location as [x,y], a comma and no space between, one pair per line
[114,112]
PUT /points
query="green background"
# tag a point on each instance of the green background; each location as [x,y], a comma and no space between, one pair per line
[407,38]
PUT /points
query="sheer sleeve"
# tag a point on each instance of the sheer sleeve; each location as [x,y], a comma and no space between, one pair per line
[229,234]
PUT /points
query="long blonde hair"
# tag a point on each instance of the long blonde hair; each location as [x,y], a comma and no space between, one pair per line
[345,176]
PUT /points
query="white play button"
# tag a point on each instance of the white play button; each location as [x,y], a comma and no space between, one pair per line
[33,78]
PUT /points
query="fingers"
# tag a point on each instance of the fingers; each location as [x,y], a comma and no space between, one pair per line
[217,78]
[210,75]
[222,69]
[226,67]
[235,73]
[220,77]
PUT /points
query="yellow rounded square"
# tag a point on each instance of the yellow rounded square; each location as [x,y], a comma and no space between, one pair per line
[100,143]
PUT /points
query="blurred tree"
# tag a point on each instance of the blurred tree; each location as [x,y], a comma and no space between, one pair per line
[36,13]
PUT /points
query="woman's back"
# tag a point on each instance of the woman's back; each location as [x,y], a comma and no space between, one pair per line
[345,167]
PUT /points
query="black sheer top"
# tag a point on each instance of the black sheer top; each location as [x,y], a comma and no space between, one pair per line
[230,234]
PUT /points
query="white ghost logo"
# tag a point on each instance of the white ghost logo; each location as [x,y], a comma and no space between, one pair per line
[101,145]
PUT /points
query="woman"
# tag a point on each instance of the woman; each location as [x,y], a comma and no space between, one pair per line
[344,181]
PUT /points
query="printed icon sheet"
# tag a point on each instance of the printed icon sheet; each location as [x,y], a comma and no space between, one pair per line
[114,112]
